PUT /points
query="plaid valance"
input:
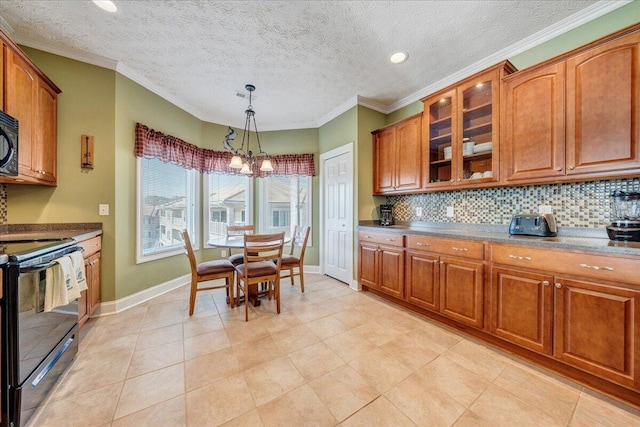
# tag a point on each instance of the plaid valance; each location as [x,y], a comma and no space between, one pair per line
[152,144]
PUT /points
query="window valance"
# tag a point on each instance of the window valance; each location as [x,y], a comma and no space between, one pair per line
[152,144]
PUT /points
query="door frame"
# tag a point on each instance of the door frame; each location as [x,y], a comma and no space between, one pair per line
[344,149]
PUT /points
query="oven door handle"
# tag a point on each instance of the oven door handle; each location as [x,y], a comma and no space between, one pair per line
[37,267]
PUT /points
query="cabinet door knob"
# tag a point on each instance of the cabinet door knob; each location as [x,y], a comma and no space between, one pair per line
[545,283]
[571,168]
[558,285]
[559,169]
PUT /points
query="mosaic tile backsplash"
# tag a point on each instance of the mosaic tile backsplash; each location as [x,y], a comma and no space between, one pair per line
[575,204]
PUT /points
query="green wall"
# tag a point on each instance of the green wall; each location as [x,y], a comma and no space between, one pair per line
[86,106]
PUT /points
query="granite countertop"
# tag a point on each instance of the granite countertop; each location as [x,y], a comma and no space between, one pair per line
[54,231]
[584,239]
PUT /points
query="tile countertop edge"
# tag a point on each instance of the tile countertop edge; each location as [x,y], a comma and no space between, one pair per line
[572,238]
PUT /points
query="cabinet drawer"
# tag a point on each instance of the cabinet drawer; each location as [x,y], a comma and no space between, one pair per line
[91,246]
[603,267]
[443,246]
[389,239]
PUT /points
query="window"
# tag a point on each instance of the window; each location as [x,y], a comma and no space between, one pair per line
[227,203]
[286,202]
[167,198]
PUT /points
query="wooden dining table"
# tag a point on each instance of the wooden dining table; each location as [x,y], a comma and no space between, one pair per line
[237,242]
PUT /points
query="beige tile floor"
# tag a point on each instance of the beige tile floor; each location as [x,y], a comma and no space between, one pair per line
[332,357]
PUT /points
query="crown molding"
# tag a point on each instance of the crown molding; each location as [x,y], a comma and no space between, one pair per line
[574,21]
[4,25]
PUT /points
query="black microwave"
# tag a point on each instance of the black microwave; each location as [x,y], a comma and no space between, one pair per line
[8,145]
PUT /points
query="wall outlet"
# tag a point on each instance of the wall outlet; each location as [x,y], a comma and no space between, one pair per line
[103,209]
[450,211]
[545,209]
[418,211]
[223,253]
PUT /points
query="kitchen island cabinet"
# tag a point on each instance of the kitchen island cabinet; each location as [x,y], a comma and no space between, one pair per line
[31,97]
[397,156]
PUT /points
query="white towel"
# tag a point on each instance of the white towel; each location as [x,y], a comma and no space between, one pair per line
[78,266]
[61,285]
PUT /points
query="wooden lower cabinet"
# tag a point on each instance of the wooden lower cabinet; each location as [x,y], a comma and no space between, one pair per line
[522,308]
[382,268]
[462,290]
[422,285]
[90,299]
[596,329]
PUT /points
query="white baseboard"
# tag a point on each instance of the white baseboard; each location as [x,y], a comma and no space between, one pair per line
[355,285]
[114,307]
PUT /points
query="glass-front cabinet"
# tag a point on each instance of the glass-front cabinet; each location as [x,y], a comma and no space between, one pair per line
[461,127]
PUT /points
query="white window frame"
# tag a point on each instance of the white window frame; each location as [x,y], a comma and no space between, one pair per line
[205,205]
[192,223]
[266,214]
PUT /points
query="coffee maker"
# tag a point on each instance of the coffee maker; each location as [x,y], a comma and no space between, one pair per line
[386,215]
[625,216]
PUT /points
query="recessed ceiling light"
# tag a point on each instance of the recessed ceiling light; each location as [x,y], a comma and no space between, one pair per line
[398,57]
[107,5]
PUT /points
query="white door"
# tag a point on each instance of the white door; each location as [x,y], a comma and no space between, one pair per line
[337,215]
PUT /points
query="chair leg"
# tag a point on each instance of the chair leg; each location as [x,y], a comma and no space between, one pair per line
[229,282]
[237,291]
[277,292]
[246,302]
[301,278]
[291,275]
[192,295]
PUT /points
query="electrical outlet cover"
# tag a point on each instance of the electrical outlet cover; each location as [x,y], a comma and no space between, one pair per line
[545,209]
[418,211]
[450,211]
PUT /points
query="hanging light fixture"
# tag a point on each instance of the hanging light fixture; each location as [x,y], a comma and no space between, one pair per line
[243,158]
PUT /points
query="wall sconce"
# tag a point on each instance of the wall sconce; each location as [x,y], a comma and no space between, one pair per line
[86,152]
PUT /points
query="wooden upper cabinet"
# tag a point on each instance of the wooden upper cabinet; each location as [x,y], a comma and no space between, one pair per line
[603,108]
[397,156]
[575,118]
[461,127]
[533,124]
[31,98]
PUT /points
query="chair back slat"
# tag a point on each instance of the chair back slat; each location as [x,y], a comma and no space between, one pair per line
[300,238]
[263,247]
[239,230]
[190,254]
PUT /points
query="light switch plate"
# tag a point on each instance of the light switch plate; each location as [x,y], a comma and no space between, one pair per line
[103,209]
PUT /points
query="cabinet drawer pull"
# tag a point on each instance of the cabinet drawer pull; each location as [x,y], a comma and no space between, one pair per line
[421,244]
[521,258]
[595,267]
[545,283]
[390,240]
[558,285]
[368,237]
[459,249]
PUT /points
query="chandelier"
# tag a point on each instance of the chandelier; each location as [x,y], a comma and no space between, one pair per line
[243,158]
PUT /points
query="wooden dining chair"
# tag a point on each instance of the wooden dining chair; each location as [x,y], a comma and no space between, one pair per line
[236,232]
[206,271]
[262,261]
[290,261]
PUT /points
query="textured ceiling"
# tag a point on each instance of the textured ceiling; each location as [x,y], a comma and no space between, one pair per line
[308,59]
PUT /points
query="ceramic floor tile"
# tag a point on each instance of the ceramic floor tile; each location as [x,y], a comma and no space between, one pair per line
[210,368]
[454,380]
[376,333]
[592,411]
[423,404]
[380,412]
[316,360]
[271,379]
[204,344]
[477,358]
[283,322]
[156,358]
[439,339]
[249,419]
[327,327]
[350,345]
[219,402]
[168,413]
[344,391]
[156,337]
[555,398]
[352,318]
[95,407]
[149,389]
[299,407]
[501,408]
[380,369]
[295,338]
[202,325]
[253,353]
[124,343]
[411,350]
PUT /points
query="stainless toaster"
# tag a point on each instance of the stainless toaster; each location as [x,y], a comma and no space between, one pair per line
[543,225]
